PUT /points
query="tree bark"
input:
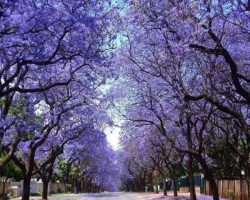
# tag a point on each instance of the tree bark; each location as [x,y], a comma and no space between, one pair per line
[151,182]
[209,177]
[165,187]
[156,191]
[45,189]
[26,187]
[46,175]
[190,178]
[174,182]
[143,183]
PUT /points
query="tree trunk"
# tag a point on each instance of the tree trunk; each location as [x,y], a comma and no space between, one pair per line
[46,175]
[165,187]
[26,187]
[77,187]
[213,185]
[144,184]
[157,191]
[174,182]
[209,177]
[45,189]
[151,182]
[190,178]
[82,186]
[190,158]
[73,186]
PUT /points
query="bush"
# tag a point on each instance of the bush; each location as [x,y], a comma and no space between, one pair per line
[11,192]
[35,194]
[231,195]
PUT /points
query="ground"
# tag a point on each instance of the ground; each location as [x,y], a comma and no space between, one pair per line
[120,196]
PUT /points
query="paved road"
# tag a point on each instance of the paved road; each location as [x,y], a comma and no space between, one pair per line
[126,196]
[108,196]
[119,196]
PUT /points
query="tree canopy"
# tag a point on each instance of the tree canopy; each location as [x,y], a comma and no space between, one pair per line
[173,75]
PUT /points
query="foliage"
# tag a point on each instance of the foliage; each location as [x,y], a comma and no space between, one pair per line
[12,171]
[175,72]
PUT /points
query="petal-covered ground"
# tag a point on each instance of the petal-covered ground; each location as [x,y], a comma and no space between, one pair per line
[122,196]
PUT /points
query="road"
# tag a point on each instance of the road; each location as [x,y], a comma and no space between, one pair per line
[127,196]
[121,196]
[103,196]
[108,196]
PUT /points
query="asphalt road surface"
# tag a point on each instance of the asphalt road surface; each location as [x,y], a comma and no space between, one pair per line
[119,196]
[107,196]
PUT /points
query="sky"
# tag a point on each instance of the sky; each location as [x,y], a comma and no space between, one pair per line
[113,135]
[113,132]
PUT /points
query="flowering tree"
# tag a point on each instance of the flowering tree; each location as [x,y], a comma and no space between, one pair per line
[89,164]
[182,84]
[45,44]
[189,85]
[53,62]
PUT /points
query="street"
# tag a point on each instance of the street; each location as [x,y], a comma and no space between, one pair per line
[121,196]
[108,196]
[103,196]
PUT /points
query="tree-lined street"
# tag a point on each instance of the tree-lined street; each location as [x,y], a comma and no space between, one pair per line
[108,196]
[121,196]
[169,79]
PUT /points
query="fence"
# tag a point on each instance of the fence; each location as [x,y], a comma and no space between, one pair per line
[35,188]
[4,187]
[16,189]
[233,189]
[183,183]
[59,188]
